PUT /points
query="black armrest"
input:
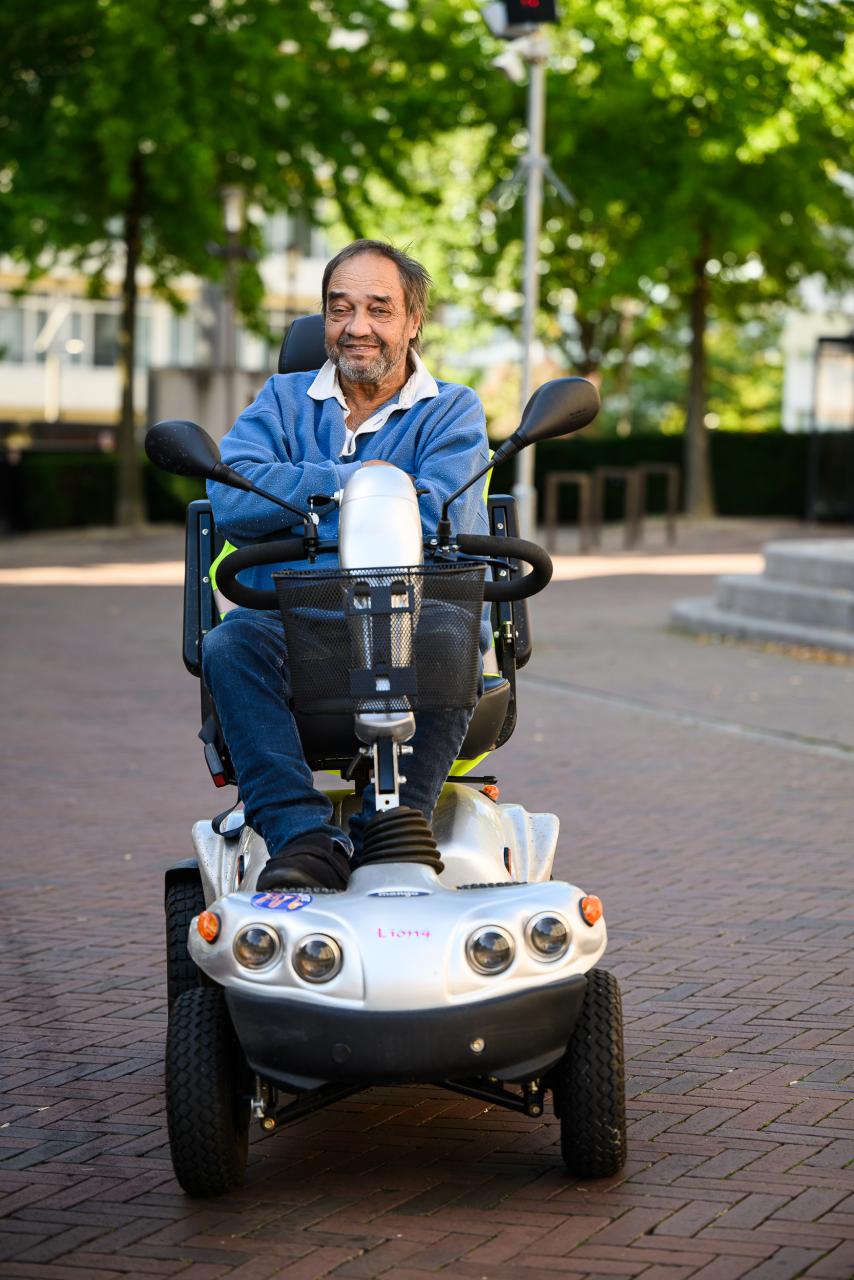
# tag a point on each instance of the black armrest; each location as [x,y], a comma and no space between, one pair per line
[202,545]
[504,521]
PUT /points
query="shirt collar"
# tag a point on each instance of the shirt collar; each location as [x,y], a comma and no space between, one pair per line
[420,385]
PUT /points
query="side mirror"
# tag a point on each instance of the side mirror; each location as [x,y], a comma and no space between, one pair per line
[557,408]
[183,449]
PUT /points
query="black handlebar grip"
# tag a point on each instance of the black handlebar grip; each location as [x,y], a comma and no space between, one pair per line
[529,584]
[247,558]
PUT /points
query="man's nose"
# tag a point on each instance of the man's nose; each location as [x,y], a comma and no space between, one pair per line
[359,325]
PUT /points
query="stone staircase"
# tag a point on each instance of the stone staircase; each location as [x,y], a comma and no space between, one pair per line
[804,596]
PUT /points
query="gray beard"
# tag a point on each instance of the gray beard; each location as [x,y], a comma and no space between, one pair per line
[373,372]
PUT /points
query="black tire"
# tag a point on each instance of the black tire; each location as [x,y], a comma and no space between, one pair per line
[184,899]
[590,1084]
[207,1098]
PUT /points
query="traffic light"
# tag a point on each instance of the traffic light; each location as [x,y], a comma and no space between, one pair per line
[523,12]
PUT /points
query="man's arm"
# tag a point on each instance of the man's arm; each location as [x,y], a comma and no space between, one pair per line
[456,450]
[257,447]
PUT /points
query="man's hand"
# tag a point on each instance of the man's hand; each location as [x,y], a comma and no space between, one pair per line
[377,462]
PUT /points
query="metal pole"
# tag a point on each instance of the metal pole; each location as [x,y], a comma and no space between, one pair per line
[233,205]
[230,332]
[535,55]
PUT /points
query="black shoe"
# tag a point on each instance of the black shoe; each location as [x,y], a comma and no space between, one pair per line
[311,861]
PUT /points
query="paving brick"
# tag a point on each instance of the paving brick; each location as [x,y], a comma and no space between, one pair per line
[729,995]
[838,1264]
[785,1264]
[692,1218]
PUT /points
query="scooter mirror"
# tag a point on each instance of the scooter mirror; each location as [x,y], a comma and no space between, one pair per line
[557,408]
[182,448]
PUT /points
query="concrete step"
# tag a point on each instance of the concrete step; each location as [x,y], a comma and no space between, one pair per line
[704,617]
[781,600]
[825,562]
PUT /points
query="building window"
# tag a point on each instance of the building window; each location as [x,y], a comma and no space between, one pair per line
[182,340]
[105,350]
[11,334]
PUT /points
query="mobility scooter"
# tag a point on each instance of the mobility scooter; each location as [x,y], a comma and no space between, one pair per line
[453,957]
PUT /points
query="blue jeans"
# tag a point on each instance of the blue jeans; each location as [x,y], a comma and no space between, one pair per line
[244,662]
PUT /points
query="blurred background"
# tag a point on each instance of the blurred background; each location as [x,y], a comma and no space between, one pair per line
[173,179]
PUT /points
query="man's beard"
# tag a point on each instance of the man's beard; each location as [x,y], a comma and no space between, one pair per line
[374,371]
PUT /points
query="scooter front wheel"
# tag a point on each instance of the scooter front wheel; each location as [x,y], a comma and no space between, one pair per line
[185,898]
[207,1100]
[589,1084]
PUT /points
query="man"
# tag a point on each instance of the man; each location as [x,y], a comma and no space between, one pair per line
[372,404]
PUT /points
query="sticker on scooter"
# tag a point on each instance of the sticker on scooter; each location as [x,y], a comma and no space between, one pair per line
[400,893]
[282,901]
[403,934]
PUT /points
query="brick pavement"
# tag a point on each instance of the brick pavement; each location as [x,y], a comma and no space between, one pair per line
[724,863]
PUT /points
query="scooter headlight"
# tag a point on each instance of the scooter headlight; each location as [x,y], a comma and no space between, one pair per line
[318,958]
[548,937]
[490,949]
[256,946]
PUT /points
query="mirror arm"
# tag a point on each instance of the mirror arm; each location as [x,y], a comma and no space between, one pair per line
[225,474]
[505,450]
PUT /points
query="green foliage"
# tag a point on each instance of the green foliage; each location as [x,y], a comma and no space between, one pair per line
[124,120]
[686,129]
[289,102]
[709,151]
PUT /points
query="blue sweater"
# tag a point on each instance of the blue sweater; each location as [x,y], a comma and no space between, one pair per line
[290,444]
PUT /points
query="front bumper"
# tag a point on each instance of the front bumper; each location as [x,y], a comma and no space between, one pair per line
[293,1042]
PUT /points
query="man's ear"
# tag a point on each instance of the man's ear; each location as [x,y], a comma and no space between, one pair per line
[414,324]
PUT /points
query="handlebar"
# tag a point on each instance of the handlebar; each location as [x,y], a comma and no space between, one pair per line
[247,558]
[515,549]
[474,544]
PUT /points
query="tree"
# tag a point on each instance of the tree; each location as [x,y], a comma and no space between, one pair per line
[709,151]
[125,119]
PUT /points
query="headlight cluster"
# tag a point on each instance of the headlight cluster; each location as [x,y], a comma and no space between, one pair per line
[256,946]
[315,959]
[491,948]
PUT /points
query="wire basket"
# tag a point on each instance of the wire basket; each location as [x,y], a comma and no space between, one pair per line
[365,640]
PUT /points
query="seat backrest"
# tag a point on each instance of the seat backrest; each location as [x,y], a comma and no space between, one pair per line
[302,346]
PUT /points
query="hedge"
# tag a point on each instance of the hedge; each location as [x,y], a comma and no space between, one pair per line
[754,474]
[72,490]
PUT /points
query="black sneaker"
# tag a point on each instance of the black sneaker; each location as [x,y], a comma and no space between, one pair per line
[312,861]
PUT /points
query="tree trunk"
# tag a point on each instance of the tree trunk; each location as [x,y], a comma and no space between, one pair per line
[699,493]
[587,334]
[130,501]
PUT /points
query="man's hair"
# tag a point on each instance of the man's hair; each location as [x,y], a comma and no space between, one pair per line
[415,279]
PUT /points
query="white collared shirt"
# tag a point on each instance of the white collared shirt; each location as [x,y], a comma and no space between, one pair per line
[421,385]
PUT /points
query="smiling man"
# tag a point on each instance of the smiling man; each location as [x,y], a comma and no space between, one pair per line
[373,403]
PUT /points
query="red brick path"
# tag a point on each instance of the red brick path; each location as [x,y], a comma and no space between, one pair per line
[724,864]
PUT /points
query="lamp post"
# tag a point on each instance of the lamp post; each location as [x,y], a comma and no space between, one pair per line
[232,203]
[523,22]
[536,55]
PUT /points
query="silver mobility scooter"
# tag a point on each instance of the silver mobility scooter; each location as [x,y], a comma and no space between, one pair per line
[453,957]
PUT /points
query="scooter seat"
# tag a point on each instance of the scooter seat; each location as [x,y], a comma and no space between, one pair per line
[329,741]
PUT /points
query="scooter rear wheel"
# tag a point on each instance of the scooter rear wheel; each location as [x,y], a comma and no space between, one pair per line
[185,898]
[590,1084]
[207,1098]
